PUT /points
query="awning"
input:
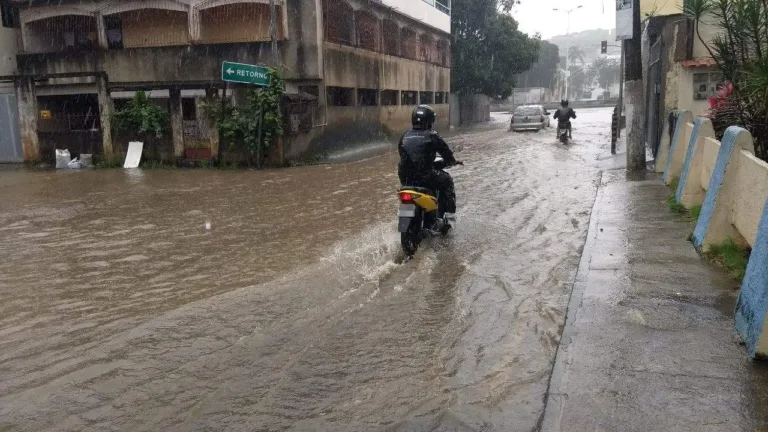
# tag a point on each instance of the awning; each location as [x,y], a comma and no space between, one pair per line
[698,62]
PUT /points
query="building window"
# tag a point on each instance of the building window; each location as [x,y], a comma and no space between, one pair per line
[310,89]
[389,97]
[339,23]
[10,15]
[391,38]
[427,49]
[443,53]
[426,97]
[409,97]
[443,6]
[410,43]
[368,35]
[114,25]
[366,97]
[441,98]
[706,84]
[189,108]
[340,96]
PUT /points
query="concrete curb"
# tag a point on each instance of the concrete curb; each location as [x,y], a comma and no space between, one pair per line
[752,306]
[714,224]
[689,191]
[677,147]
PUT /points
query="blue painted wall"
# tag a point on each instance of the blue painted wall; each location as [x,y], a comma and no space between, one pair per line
[688,158]
[715,183]
[753,298]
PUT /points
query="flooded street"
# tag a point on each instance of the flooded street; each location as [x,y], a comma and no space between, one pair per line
[120,311]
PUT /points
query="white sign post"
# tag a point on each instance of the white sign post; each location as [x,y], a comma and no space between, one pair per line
[624,16]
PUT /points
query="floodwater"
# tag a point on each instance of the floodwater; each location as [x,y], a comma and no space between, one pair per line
[120,310]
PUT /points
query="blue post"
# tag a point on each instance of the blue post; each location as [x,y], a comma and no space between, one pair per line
[688,158]
[727,145]
[753,298]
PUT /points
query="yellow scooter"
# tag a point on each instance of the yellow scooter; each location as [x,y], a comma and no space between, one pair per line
[419,215]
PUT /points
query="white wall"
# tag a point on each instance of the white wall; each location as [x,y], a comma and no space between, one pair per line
[422,11]
[8,51]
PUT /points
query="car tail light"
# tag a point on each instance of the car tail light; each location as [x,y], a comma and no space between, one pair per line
[513,119]
[542,118]
[406,198]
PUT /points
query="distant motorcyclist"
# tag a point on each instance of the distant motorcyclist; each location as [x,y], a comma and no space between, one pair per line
[564,114]
[418,148]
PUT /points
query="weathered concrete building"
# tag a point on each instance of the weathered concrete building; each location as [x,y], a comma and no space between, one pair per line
[10,142]
[679,71]
[354,68]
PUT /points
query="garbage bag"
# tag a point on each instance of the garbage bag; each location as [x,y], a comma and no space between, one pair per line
[75,164]
[86,160]
[63,159]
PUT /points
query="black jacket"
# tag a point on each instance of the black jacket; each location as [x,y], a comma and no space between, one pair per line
[564,114]
[418,149]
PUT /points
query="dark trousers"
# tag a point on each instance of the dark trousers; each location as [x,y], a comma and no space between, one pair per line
[436,180]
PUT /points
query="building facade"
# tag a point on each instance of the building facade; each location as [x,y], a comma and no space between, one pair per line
[679,71]
[10,140]
[354,69]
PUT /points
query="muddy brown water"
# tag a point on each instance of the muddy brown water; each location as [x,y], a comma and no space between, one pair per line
[120,311]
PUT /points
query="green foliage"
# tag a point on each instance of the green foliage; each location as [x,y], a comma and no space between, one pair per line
[741,52]
[576,54]
[694,212]
[488,49]
[730,255]
[542,72]
[241,125]
[608,71]
[674,206]
[197,144]
[141,116]
[114,162]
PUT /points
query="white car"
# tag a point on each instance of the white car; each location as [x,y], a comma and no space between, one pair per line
[529,117]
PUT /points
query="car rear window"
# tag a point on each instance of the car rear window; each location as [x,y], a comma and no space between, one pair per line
[528,111]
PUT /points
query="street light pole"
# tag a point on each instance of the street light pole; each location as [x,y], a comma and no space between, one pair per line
[567,44]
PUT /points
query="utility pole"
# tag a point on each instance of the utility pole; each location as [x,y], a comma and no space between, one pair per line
[633,75]
[273,32]
[621,92]
[567,44]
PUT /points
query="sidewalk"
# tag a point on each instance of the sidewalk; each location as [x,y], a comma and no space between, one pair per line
[649,343]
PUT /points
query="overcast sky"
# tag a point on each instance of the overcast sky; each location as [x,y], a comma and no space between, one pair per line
[538,16]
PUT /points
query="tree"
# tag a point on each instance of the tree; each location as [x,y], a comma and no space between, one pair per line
[541,73]
[575,53]
[255,125]
[608,71]
[488,49]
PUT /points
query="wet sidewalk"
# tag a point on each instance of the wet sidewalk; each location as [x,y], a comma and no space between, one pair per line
[649,343]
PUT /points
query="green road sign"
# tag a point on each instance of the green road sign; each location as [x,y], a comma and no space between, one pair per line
[244,73]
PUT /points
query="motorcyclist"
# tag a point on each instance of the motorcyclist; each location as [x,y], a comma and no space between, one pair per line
[565,114]
[418,148]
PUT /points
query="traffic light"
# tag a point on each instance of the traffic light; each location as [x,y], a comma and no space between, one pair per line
[604,47]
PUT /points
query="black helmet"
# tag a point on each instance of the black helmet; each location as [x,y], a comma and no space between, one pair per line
[423,117]
[564,103]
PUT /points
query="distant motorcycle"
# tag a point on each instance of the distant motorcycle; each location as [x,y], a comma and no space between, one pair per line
[562,131]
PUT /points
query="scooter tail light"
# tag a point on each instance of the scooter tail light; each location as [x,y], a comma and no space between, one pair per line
[406,198]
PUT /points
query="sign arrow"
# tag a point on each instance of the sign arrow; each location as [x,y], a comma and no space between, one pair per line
[230,71]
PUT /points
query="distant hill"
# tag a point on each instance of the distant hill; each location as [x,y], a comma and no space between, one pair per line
[589,42]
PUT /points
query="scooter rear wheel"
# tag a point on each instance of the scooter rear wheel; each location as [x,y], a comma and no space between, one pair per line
[410,240]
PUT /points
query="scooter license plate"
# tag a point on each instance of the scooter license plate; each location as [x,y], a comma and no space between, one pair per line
[407,210]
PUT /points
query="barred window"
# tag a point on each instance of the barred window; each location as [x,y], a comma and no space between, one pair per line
[339,22]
